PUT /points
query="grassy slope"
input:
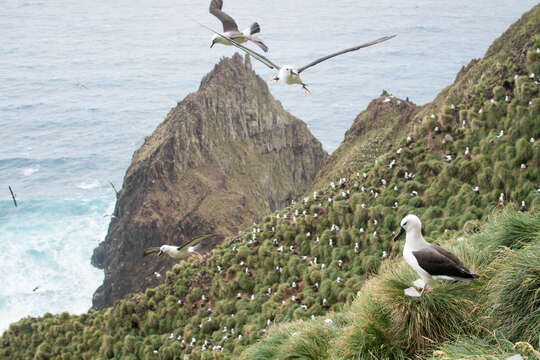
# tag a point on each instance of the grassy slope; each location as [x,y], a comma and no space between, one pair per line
[484,319]
[229,289]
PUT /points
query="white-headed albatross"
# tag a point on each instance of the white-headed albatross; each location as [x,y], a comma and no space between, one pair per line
[230,29]
[288,73]
[179,252]
[430,261]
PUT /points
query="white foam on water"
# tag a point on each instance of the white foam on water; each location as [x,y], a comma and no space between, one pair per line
[28,171]
[88,185]
[48,245]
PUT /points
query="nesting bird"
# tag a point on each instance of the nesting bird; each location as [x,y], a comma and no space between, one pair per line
[430,261]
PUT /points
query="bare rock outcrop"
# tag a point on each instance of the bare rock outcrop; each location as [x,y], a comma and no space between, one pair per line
[224,157]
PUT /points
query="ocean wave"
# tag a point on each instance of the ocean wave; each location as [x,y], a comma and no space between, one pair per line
[45,256]
[30,170]
[88,185]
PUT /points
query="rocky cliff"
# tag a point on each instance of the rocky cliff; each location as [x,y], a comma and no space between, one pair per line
[374,131]
[223,157]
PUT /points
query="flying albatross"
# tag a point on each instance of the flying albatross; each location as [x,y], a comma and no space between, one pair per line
[179,252]
[288,73]
[430,261]
[230,29]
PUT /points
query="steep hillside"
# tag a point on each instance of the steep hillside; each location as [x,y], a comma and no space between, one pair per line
[471,152]
[224,157]
[373,132]
[494,317]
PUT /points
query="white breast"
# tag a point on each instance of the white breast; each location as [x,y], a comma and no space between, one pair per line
[238,39]
[171,250]
[411,260]
[287,77]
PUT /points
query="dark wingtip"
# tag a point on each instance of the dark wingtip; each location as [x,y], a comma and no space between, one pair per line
[254,28]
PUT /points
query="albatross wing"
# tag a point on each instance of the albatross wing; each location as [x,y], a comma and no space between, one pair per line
[253,53]
[183,251]
[196,241]
[228,22]
[440,262]
[151,251]
[380,40]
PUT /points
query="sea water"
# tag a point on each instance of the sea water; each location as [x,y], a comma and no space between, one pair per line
[83,82]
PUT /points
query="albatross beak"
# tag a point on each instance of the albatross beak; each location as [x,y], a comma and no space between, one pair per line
[160,252]
[401,232]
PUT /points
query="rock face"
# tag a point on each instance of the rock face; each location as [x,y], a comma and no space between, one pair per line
[372,133]
[224,156]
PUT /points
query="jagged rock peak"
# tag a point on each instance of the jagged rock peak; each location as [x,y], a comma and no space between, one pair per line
[224,157]
[235,68]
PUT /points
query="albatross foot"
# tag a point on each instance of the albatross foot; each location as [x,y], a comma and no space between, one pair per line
[419,283]
[273,79]
[424,289]
[412,292]
[305,89]
[196,255]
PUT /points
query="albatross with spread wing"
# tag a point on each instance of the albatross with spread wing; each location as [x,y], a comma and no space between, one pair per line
[179,252]
[288,73]
[230,29]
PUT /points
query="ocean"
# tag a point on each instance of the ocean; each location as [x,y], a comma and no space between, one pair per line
[83,82]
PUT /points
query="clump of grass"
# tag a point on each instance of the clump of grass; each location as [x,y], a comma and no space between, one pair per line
[444,311]
[312,343]
[367,337]
[300,339]
[511,229]
[475,348]
[515,293]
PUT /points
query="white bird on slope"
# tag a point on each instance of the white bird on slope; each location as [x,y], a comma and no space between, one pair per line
[230,29]
[288,73]
[430,261]
[179,252]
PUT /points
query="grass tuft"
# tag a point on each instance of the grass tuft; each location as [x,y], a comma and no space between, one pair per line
[515,293]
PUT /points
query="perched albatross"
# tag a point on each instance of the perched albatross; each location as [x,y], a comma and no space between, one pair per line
[288,73]
[430,261]
[230,29]
[179,252]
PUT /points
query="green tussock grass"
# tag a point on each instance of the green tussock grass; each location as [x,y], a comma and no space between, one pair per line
[312,258]
[453,320]
[298,340]
[515,293]
[489,348]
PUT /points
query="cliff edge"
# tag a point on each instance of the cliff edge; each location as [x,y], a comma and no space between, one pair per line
[373,132]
